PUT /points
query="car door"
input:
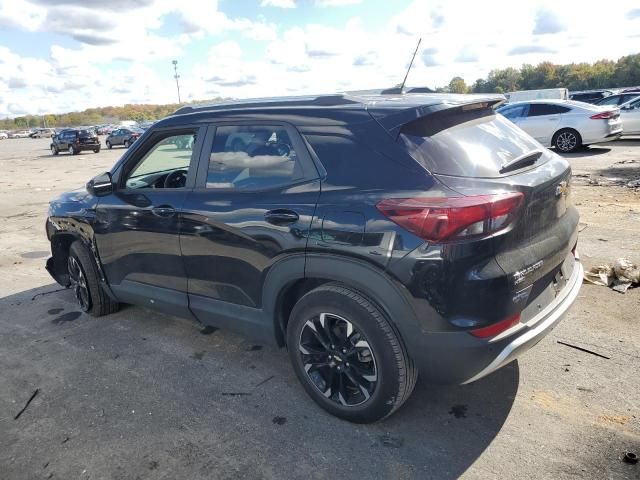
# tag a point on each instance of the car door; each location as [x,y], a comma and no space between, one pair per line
[541,121]
[630,115]
[250,210]
[137,226]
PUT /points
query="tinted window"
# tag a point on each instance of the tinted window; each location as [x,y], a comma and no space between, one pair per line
[252,157]
[628,97]
[514,112]
[610,100]
[539,109]
[167,155]
[476,148]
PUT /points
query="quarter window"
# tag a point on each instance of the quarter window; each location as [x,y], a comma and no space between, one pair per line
[252,157]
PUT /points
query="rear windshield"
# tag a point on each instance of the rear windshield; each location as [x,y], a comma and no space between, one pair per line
[473,148]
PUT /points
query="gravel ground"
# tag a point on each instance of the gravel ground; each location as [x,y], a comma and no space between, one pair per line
[144,395]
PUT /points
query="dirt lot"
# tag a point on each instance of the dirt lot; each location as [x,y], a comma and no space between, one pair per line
[142,395]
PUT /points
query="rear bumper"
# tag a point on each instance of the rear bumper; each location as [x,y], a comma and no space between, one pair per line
[87,146]
[538,327]
[605,137]
[460,358]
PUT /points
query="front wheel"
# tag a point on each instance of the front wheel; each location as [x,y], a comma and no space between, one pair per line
[72,151]
[126,144]
[109,146]
[85,282]
[567,140]
[96,150]
[54,150]
[347,355]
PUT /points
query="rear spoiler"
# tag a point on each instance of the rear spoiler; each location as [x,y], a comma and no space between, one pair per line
[392,120]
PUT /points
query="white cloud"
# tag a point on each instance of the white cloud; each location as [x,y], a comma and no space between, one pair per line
[278,3]
[336,3]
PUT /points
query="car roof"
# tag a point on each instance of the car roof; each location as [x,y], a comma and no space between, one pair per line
[336,109]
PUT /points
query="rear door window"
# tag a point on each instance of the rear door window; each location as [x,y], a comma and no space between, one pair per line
[475,148]
[245,157]
[539,109]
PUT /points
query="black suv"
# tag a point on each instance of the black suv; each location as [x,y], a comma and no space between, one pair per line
[75,141]
[374,236]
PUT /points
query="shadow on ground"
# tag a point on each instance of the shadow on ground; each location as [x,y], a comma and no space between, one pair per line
[142,395]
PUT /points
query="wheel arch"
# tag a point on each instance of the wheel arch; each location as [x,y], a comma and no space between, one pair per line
[285,285]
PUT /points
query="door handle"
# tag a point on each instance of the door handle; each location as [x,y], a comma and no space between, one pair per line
[281,217]
[163,211]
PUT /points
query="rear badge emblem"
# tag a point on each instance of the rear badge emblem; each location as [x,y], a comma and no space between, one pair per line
[520,275]
[562,189]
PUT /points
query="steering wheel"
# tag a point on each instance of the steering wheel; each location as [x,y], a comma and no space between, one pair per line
[176,179]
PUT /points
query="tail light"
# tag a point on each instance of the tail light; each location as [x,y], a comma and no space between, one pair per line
[605,115]
[496,328]
[453,218]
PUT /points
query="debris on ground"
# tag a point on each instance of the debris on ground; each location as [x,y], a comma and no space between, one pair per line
[585,350]
[619,276]
[630,457]
[26,405]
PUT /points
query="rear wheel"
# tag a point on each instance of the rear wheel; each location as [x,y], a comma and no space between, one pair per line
[85,282]
[126,144]
[347,355]
[96,150]
[567,140]
[71,150]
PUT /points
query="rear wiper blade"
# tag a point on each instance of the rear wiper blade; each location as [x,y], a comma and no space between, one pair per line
[520,162]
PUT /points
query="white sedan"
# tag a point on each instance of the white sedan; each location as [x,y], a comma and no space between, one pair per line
[630,115]
[565,124]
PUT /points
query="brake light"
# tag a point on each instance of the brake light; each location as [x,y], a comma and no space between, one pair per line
[453,218]
[605,115]
[496,328]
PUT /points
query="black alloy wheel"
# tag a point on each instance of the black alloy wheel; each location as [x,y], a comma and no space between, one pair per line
[79,283]
[338,359]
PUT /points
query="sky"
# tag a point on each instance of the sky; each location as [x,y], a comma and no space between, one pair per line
[66,55]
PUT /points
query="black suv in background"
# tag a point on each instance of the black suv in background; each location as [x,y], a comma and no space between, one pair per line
[75,141]
[374,236]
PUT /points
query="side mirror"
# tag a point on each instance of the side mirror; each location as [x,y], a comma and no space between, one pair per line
[101,185]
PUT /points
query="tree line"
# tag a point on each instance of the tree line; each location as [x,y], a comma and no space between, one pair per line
[625,72]
[94,116]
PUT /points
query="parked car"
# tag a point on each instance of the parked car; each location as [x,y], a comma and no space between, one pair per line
[43,133]
[75,141]
[618,99]
[565,124]
[4,135]
[20,134]
[589,96]
[123,136]
[630,115]
[352,246]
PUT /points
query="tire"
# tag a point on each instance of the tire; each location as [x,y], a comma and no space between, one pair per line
[72,151]
[109,146]
[98,302]
[567,140]
[96,150]
[378,358]
[54,150]
[127,144]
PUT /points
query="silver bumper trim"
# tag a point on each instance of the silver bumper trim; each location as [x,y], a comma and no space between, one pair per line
[544,322]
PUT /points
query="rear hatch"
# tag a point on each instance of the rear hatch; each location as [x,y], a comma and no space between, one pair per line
[88,137]
[474,151]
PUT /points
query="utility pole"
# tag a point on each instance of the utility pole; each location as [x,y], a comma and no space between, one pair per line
[176,76]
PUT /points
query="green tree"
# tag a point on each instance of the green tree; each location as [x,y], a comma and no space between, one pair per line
[457,85]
